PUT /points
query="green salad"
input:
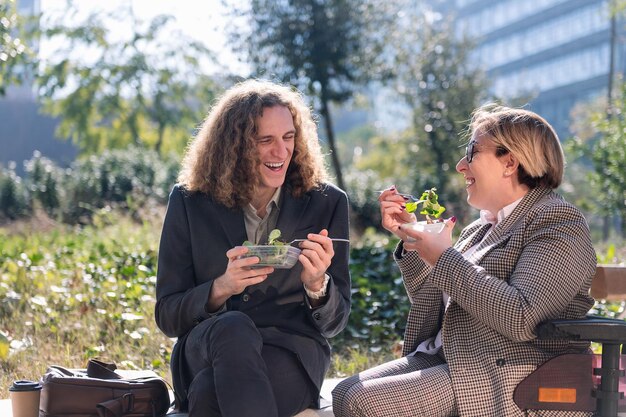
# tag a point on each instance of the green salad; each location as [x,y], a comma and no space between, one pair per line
[430,205]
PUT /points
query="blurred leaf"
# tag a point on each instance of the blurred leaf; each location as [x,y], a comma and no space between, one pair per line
[4,346]
[124,91]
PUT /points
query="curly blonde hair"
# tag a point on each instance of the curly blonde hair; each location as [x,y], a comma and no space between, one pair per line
[222,159]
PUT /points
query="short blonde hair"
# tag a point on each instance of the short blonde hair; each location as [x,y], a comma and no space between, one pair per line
[222,159]
[528,137]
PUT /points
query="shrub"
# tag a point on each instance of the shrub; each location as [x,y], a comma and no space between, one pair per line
[129,178]
[379,302]
[14,199]
[45,182]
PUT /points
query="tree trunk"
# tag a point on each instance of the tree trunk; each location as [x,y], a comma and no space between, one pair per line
[159,143]
[331,142]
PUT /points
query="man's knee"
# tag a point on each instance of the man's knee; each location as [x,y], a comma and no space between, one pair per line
[201,395]
[234,327]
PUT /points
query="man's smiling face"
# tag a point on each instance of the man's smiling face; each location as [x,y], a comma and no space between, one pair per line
[275,143]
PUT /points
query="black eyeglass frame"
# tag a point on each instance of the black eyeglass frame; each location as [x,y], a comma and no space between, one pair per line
[470,150]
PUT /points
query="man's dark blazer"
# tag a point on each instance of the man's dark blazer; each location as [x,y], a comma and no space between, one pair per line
[197,232]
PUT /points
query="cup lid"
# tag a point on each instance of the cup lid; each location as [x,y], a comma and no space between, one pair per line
[24,385]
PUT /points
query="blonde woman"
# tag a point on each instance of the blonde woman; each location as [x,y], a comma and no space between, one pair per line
[470,335]
[252,340]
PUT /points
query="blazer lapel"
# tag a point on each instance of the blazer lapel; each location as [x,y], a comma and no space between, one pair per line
[233,224]
[291,212]
[476,236]
[502,230]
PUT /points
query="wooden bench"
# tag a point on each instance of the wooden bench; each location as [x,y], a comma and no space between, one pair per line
[609,283]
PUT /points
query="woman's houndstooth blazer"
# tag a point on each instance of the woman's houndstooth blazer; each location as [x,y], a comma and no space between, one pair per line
[535,265]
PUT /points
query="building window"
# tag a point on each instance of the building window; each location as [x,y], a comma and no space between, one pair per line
[502,14]
[578,24]
[582,65]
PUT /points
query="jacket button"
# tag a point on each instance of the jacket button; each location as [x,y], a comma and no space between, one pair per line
[317,316]
[245,298]
[500,362]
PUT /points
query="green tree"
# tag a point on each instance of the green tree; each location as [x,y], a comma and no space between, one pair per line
[147,90]
[326,48]
[15,57]
[606,152]
[435,78]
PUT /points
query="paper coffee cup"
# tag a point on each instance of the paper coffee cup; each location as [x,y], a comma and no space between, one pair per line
[25,398]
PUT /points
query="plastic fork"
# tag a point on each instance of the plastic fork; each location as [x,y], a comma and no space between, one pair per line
[409,196]
[333,239]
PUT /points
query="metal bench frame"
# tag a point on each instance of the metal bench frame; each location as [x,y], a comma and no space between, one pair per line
[609,284]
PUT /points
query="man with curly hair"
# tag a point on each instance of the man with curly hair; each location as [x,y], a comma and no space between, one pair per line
[252,340]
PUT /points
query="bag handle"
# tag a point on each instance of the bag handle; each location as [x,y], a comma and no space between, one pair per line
[102,370]
[117,407]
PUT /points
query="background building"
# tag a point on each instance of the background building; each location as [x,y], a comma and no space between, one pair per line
[554,52]
[23,128]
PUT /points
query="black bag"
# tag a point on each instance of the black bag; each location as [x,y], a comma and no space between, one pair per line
[100,391]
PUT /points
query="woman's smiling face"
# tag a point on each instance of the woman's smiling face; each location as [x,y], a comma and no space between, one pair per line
[487,177]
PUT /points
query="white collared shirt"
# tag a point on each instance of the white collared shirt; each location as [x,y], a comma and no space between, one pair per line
[258,228]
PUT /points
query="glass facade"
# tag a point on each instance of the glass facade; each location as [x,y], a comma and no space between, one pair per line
[500,14]
[546,75]
[544,36]
[557,52]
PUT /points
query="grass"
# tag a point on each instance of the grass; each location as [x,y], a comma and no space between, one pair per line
[68,294]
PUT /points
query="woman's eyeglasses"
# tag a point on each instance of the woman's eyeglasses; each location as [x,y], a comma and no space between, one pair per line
[471,149]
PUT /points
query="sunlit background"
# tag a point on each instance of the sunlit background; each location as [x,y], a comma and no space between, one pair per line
[98,100]
[392,82]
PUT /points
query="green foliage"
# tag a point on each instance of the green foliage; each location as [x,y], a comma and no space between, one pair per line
[73,293]
[15,56]
[14,199]
[354,144]
[379,302]
[434,76]
[382,154]
[130,178]
[363,195]
[44,181]
[322,47]
[352,360]
[609,257]
[148,90]
[606,153]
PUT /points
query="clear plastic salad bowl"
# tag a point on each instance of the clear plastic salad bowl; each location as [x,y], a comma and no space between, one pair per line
[277,256]
[425,227]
